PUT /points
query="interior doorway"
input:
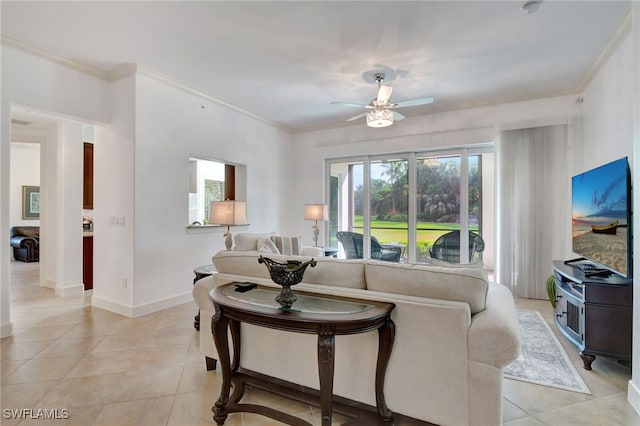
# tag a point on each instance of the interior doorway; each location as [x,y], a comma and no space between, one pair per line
[48,136]
[28,134]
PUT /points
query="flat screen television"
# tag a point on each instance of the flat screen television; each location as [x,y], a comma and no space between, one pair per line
[601,225]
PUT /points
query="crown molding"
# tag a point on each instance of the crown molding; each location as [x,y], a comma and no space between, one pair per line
[111,76]
[621,32]
[148,72]
[121,71]
[52,57]
[128,69]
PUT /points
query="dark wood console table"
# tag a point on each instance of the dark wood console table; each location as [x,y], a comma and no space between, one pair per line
[326,316]
[595,313]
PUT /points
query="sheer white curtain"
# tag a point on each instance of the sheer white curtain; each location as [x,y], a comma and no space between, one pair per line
[533,207]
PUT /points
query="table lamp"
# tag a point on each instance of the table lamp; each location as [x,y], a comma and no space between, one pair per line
[316,212]
[228,213]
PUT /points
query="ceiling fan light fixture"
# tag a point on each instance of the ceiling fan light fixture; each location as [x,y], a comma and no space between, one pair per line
[380,117]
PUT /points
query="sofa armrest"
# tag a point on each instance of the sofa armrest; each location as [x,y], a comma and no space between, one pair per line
[201,291]
[21,241]
[494,335]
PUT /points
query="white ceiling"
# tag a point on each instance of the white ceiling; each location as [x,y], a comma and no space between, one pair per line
[286,61]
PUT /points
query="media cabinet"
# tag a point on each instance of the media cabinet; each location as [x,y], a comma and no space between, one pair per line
[594,312]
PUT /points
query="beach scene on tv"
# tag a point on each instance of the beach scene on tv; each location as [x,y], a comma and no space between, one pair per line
[599,225]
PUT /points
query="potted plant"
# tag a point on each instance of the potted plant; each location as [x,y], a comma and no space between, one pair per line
[551,290]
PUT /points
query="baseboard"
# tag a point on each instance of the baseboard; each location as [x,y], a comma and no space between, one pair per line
[143,309]
[71,290]
[160,304]
[633,396]
[112,306]
[6,330]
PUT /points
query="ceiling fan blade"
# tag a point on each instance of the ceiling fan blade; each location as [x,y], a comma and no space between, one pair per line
[348,104]
[384,93]
[397,116]
[357,116]
[413,102]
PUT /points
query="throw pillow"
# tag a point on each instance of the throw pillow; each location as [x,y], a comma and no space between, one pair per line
[248,241]
[290,246]
[267,246]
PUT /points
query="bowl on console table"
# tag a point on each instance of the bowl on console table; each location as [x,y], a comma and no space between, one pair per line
[286,274]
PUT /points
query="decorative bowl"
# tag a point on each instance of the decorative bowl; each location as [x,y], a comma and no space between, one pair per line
[286,274]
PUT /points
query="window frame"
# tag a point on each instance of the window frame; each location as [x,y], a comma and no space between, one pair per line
[234,186]
[411,157]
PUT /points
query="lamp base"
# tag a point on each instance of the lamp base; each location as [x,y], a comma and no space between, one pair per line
[316,232]
[228,240]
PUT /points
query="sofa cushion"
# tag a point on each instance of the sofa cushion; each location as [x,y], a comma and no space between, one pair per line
[469,285]
[328,271]
[336,273]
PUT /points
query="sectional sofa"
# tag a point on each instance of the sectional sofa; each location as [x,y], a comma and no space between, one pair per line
[455,332]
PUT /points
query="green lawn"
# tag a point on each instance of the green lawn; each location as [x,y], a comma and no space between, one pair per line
[388,232]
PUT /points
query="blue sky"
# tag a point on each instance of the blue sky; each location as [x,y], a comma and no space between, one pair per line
[601,194]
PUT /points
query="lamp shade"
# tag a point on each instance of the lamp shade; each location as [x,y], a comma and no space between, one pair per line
[228,212]
[316,212]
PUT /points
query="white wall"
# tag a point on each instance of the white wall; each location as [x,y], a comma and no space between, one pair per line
[113,197]
[608,113]
[25,170]
[172,125]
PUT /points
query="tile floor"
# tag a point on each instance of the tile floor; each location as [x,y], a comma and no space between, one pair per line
[106,369]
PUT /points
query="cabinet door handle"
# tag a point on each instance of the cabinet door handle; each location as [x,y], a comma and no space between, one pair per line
[562,314]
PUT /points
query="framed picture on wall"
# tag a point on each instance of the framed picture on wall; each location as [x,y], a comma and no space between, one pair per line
[30,202]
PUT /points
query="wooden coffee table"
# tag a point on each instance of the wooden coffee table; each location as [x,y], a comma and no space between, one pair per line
[326,316]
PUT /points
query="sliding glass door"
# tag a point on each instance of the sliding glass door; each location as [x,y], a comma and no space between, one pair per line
[389,208]
[438,200]
[406,202]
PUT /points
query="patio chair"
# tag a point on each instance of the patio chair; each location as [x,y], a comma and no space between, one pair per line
[447,247]
[352,243]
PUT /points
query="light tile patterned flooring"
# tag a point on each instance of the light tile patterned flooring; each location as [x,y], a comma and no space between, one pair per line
[106,369]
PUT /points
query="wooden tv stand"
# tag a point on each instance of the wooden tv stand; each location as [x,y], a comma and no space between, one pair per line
[595,312]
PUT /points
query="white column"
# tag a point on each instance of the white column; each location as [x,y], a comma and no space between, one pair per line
[68,224]
[48,209]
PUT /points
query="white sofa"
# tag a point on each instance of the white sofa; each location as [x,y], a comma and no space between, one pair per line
[455,332]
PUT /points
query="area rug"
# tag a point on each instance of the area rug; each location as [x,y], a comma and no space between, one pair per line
[543,360]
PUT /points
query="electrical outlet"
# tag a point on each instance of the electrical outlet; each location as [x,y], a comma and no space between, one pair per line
[124,283]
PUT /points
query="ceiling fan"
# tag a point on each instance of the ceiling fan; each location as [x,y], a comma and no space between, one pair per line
[381,112]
